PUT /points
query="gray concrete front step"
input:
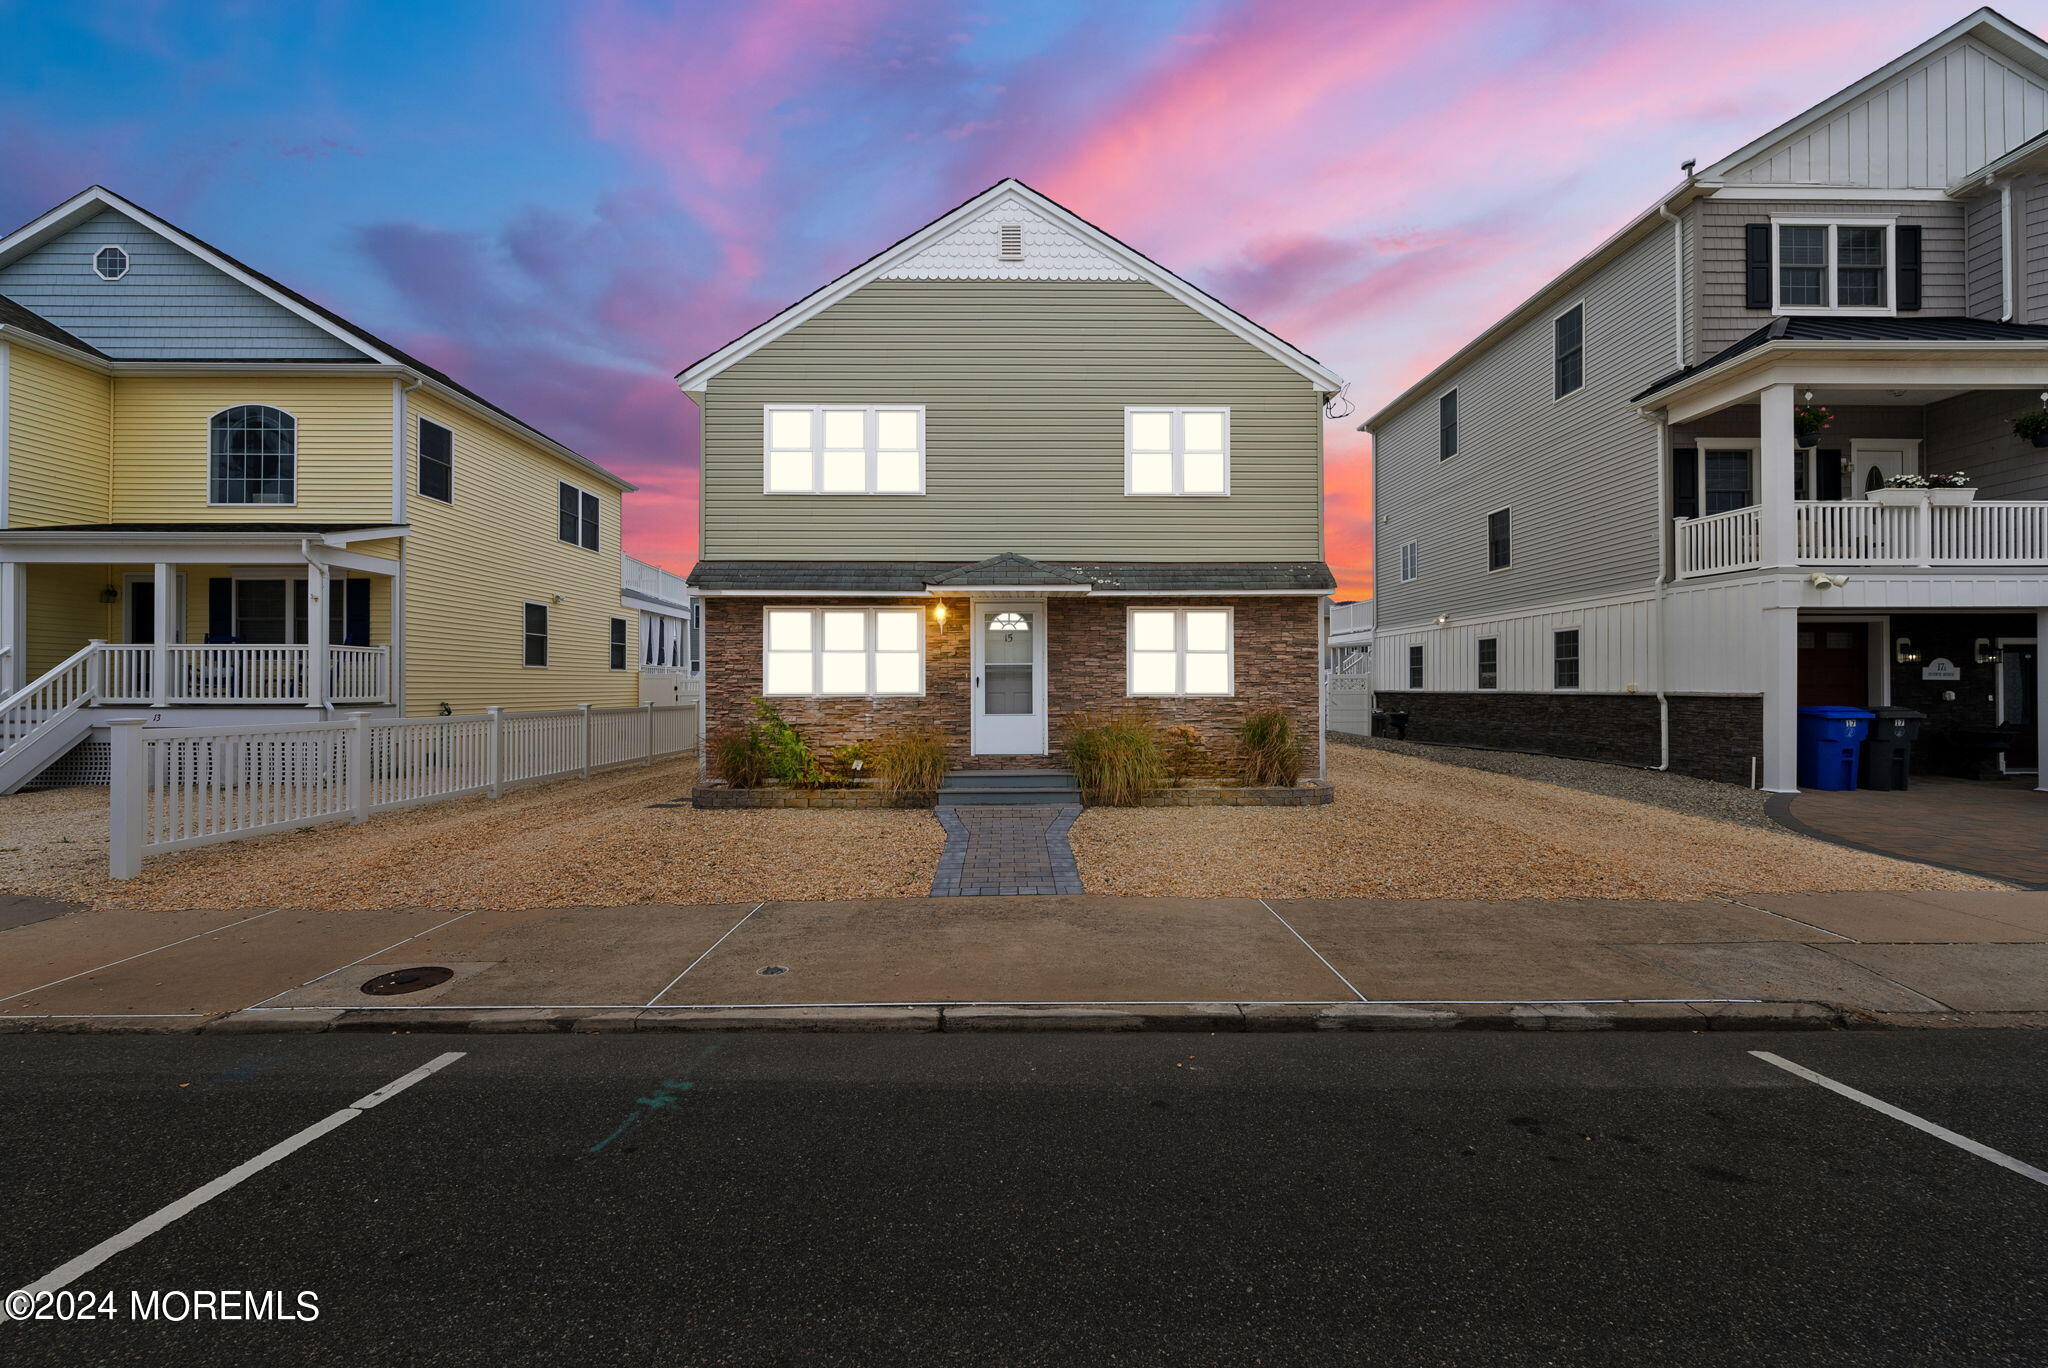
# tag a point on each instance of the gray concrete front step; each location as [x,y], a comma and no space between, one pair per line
[1014,797]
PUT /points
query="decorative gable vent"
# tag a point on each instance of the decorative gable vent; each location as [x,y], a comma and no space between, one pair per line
[1010,242]
[110,263]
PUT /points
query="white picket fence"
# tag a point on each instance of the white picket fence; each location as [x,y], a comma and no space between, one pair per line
[173,788]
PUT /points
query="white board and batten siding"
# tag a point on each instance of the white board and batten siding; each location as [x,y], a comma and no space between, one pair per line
[1617,650]
[1579,475]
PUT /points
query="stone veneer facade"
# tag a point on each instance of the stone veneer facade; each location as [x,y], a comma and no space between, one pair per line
[1277,654]
[1713,736]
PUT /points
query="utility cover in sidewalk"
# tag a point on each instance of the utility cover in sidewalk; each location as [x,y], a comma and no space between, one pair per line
[407,980]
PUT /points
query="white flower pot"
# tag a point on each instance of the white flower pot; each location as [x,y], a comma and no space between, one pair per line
[1901,498]
[1952,496]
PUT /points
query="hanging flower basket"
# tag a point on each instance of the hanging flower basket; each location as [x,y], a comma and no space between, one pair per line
[1809,421]
[2033,427]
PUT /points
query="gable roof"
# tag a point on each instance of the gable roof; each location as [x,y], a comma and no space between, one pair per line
[13,315]
[96,198]
[694,377]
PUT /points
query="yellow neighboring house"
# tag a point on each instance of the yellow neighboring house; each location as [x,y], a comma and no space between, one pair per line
[223,503]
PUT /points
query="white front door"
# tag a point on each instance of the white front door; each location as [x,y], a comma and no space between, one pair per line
[1009,679]
[1872,463]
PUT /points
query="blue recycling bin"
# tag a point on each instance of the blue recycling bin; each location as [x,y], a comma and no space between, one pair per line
[1830,742]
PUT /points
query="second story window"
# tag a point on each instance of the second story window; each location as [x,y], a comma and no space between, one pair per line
[1833,266]
[1497,540]
[437,462]
[1177,451]
[252,456]
[843,449]
[1569,350]
[577,517]
[1447,426]
[1409,561]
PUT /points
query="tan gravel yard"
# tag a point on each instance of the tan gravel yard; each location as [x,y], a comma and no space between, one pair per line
[565,844]
[1404,827]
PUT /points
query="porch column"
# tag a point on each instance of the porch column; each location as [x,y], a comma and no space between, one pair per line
[13,626]
[1777,533]
[317,665]
[2040,693]
[1780,664]
[164,589]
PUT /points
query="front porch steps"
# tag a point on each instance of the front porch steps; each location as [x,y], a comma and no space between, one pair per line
[1011,788]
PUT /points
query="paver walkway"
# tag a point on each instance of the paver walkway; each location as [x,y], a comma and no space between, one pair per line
[995,850]
[1996,828]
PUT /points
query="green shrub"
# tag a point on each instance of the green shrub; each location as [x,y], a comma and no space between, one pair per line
[912,763]
[1268,752]
[1186,756]
[847,765]
[1116,758]
[790,758]
[740,757]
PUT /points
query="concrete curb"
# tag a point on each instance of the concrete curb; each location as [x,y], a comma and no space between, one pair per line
[980,1018]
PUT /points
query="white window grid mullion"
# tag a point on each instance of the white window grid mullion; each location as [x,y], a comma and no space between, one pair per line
[1177,444]
[817,651]
[870,437]
[1180,652]
[869,628]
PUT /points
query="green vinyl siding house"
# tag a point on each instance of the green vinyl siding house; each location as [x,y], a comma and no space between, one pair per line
[1007,471]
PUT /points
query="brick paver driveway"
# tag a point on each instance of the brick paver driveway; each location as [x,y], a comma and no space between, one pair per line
[1995,828]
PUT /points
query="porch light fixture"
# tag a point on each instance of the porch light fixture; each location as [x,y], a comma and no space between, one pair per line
[1903,652]
[939,614]
[1988,654]
[109,594]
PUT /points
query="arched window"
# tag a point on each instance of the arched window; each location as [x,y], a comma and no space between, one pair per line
[110,263]
[253,454]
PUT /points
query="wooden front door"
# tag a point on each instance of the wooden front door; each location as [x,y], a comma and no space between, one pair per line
[1834,664]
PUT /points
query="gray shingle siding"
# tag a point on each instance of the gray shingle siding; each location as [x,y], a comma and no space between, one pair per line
[1973,433]
[1983,258]
[170,305]
[1723,318]
[1580,474]
[2032,197]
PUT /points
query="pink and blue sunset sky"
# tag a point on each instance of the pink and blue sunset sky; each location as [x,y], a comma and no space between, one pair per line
[562,205]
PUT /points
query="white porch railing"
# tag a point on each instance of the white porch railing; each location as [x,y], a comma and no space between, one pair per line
[1719,543]
[176,787]
[243,674]
[1862,532]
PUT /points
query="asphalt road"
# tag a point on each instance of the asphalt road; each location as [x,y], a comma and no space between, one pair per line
[1027,1199]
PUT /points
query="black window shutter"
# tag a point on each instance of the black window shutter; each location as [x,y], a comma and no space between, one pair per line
[220,608]
[1909,267]
[1685,482]
[1756,266]
[1827,476]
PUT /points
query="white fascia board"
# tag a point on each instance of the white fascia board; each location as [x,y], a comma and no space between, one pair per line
[356,534]
[1985,24]
[693,380]
[1851,352]
[1739,193]
[815,593]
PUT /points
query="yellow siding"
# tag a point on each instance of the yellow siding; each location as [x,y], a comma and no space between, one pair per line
[160,446]
[470,566]
[59,431]
[65,612]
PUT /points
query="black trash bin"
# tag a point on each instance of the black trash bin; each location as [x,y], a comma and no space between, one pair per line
[1888,754]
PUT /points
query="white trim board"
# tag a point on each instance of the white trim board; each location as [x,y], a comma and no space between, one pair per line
[696,377]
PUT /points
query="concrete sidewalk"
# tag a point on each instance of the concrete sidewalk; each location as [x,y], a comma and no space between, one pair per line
[917,963]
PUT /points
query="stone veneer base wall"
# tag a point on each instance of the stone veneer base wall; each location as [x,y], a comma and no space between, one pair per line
[1713,736]
[1278,664]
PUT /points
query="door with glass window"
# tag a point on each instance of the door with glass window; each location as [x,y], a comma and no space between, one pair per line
[1009,679]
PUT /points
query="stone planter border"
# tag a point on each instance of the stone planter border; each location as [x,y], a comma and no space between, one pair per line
[717,795]
[1309,793]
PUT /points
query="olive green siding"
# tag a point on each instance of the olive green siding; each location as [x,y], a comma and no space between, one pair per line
[1024,384]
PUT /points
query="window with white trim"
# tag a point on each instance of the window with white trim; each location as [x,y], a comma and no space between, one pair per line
[1489,662]
[842,652]
[1564,658]
[252,456]
[1179,652]
[1834,267]
[110,263]
[1409,560]
[1568,351]
[536,634]
[1414,667]
[1177,451]
[576,517]
[618,644]
[843,449]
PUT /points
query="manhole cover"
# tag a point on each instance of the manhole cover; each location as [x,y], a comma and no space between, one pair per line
[407,980]
[774,969]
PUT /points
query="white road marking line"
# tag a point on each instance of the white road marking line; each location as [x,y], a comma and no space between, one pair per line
[137,955]
[707,950]
[199,1196]
[1312,950]
[330,973]
[1962,1142]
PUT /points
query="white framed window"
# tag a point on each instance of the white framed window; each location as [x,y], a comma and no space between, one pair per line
[110,262]
[576,516]
[1409,561]
[842,652]
[1179,652]
[534,635]
[252,456]
[1833,266]
[1177,452]
[842,449]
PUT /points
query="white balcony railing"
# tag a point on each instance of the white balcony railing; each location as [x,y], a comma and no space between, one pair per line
[242,674]
[1860,532]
